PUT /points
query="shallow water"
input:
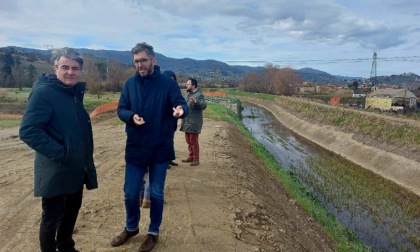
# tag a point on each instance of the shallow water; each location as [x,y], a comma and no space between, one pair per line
[384,216]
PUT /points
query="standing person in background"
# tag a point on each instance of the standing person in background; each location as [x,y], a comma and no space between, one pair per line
[58,128]
[149,101]
[193,123]
[173,76]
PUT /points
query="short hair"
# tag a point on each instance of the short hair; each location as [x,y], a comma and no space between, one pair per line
[143,47]
[194,82]
[68,53]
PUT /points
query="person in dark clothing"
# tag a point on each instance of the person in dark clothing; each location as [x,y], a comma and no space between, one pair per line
[173,76]
[145,193]
[149,101]
[56,125]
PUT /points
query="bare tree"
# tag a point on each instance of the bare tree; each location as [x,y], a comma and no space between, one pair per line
[273,80]
[92,75]
[286,79]
[116,75]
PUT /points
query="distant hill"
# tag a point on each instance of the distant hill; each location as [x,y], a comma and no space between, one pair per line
[400,79]
[320,77]
[205,69]
[217,70]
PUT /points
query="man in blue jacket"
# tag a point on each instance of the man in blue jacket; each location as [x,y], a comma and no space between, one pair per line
[148,103]
[56,125]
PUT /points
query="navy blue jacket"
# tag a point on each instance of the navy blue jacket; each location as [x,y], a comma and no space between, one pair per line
[56,125]
[152,98]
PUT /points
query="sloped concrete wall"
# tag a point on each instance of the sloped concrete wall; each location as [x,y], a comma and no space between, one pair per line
[400,170]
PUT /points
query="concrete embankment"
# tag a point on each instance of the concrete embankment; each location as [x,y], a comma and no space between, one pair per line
[401,170]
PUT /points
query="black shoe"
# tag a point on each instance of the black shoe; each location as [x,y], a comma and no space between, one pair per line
[149,243]
[173,163]
[123,237]
[169,167]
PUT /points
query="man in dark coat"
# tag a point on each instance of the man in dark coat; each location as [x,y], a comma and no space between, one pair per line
[193,123]
[175,120]
[56,125]
[149,101]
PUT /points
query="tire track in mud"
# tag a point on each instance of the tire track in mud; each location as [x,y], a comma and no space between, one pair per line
[216,206]
[99,220]
[20,211]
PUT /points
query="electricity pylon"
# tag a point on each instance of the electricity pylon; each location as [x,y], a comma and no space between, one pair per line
[373,79]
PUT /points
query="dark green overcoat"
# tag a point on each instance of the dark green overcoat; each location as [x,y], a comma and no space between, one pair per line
[56,125]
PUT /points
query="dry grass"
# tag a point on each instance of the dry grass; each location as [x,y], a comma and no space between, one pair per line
[389,133]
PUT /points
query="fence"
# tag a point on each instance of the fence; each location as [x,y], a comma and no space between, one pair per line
[232,104]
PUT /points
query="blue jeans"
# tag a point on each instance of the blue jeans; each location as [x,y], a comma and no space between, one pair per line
[147,187]
[134,175]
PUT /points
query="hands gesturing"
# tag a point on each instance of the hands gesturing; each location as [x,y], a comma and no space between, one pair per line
[178,111]
[138,120]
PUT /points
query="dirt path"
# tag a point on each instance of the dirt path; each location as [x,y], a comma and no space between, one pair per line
[228,203]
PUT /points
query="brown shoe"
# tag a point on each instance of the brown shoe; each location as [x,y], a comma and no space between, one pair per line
[195,163]
[123,237]
[149,243]
[188,160]
[146,203]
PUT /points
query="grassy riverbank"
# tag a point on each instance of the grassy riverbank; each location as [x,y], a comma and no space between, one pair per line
[343,238]
[394,133]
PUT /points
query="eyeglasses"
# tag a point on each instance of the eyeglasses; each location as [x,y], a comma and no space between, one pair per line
[142,61]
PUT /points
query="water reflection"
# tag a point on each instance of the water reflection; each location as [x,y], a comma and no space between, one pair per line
[382,215]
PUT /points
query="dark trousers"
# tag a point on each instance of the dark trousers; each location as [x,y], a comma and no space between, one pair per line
[193,147]
[59,215]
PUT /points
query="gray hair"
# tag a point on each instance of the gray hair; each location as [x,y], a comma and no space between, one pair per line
[68,53]
[143,47]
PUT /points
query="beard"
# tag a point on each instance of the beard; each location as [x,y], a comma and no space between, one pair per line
[145,71]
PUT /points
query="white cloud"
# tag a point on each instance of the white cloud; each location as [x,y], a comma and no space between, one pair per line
[299,33]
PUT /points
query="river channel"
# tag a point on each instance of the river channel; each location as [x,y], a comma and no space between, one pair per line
[383,215]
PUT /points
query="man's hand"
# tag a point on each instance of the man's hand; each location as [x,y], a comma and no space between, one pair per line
[178,111]
[193,100]
[138,120]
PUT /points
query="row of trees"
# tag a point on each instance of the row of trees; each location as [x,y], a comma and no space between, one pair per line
[272,80]
[19,69]
[14,73]
[105,74]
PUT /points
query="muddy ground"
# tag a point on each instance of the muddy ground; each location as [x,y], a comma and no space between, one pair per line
[228,203]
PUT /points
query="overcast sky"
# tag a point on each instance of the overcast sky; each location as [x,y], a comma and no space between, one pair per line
[336,36]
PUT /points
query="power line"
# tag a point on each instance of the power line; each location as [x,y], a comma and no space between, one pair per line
[331,61]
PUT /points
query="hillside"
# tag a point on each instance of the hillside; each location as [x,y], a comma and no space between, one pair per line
[213,70]
[205,69]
